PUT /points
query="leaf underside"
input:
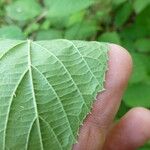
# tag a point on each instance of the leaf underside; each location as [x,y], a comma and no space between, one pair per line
[46,90]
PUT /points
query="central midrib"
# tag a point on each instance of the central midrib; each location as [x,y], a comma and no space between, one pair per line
[33,94]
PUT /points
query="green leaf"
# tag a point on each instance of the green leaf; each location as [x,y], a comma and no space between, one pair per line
[61,8]
[112,37]
[47,89]
[139,5]
[145,147]
[75,18]
[143,22]
[118,2]
[128,44]
[143,45]
[134,32]
[138,95]
[45,24]
[23,10]
[147,62]
[49,34]
[11,32]
[139,69]
[82,30]
[31,28]
[123,14]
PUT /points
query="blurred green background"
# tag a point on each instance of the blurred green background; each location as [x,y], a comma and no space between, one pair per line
[124,22]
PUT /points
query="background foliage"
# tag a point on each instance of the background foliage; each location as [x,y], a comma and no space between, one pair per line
[124,22]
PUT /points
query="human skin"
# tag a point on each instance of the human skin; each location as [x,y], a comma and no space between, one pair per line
[99,132]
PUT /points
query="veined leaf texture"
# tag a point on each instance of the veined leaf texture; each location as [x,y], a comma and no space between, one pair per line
[46,90]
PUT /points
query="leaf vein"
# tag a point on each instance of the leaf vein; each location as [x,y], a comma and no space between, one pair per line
[10,104]
[70,76]
[50,128]
[33,95]
[3,54]
[28,136]
[84,62]
[56,96]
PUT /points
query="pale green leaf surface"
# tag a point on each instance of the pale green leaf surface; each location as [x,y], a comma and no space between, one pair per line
[47,89]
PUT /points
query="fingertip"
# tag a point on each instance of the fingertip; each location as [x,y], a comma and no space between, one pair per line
[139,117]
[117,76]
[119,50]
[131,132]
[120,65]
[139,112]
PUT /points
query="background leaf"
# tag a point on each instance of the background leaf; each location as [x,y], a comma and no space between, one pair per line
[11,32]
[140,5]
[134,96]
[143,45]
[81,30]
[23,10]
[111,37]
[139,69]
[123,14]
[59,8]
[49,34]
